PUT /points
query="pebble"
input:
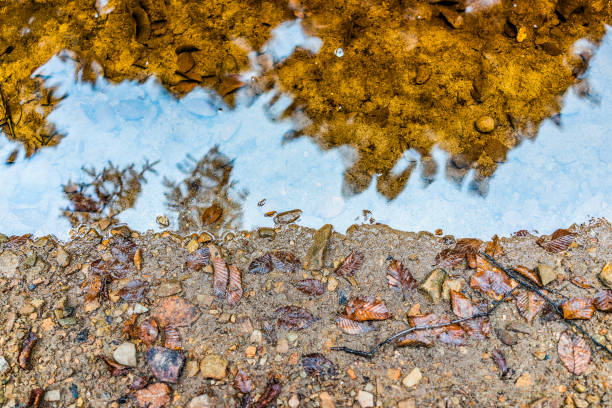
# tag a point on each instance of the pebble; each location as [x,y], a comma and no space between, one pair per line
[332,284]
[507,337]
[256,337]
[547,274]
[606,275]
[294,401]
[412,378]
[163,220]
[166,364]
[192,246]
[168,288]
[282,346]
[432,285]
[580,403]
[287,217]
[451,284]
[9,262]
[4,365]
[485,124]
[62,258]
[138,309]
[365,399]
[407,403]
[53,396]
[316,254]
[191,368]
[213,366]
[580,387]
[524,381]
[266,233]
[126,354]
[327,400]
[201,401]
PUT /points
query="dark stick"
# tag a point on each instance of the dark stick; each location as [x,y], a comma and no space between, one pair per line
[370,354]
[514,275]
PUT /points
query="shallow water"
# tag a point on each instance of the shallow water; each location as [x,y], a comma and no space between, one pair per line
[560,177]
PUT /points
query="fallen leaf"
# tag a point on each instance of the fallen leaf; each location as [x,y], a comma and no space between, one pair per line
[581,282]
[146,331]
[558,242]
[139,383]
[36,396]
[364,308]
[349,326]
[578,308]
[229,84]
[165,364]
[261,265]
[175,311]
[134,291]
[243,383]
[293,317]
[351,264]
[26,350]
[154,396]
[234,288]
[478,328]
[416,338]
[529,274]
[574,352]
[115,369]
[603,300]
[400,278]
[494,248]
[316,364]
[220,276]
[465,248]
[498,358]
[273,390]
[211,215]
[285,261]
[529,304]
[491,280]
[450,333]
[312,287]
[198,259]
[138,259]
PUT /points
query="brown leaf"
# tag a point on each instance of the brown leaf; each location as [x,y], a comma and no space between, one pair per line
[185,62]
[243,383]
[560,240]
[499,359]
[578,308]
[128,325]
[185,86]
[478,328]
[273,390]
[316,364]
[464,248]
[211,214]
[521,233]
[138,259]
[139,383]
[293,317]
[494,248]
[416,338]
[134,291]
[581,282]
[351,264]
[603,300]
[93,287]
[123,250]
[400,278]
[172,338]
[312,287]
[261,265]
[529,274]
[146,331]
[220,277]
[26,349]
[154,396]
[198,259]
[349,326]
[574,352]
[175,311]
[285,261]
[364,308]
[234,288]
[491,280]
[229,84]
[165,364]
[450,334]
[35,398]
[115,369]
[529,304]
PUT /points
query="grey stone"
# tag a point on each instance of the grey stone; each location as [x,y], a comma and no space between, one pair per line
[53,395]
[62,258]
[432,285]
[316,254]
[4,365]
[9,262]
[125,354]
[201,401]
[547,274]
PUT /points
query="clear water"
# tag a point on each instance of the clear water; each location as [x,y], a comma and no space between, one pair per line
[561,177]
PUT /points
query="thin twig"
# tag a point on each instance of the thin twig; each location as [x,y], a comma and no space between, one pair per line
[515,275]
[370,354]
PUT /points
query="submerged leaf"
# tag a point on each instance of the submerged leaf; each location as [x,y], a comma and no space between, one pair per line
[273,390]
[316,364]
[416,338]
[27,346]
[220,276]
[175,311]
[464,248]
[172,338]
[154,396]
[234,288]
[491,280]
[243,382]
[574,352]
[529,304]
[349,326]
[293,317]
[560,240]
[351,264]
[529,274]
[285,261]
[313,287]
[499,359]
[478,328]
[134,291]
[581,282]
[494,248]
[198,259]
[364,308]
[261,265]
[400,278]
[578,308]
[603,300]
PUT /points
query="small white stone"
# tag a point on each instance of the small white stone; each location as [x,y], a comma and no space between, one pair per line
[4,365]
[201,401]
[139,309]
[365,399]
[256,337]
[413,378]
[294,401]
[125,354]
[53,396]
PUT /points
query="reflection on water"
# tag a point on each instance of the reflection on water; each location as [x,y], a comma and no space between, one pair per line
[563,176]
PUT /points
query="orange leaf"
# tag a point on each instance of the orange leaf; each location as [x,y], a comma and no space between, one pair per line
[494,248]
[175,311]
[364,308]
[559,241]
[464,248]
[529,304]
[603,300]
[234,288]
[293,317]
[351,264]
[578,308]
[349,326]
[491,280]
[574,353]
[529,274]
[154,396]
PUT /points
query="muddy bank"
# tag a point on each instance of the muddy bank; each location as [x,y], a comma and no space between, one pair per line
[79,298]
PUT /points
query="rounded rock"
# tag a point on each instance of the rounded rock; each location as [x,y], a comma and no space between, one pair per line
[485,124]
[125,354]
